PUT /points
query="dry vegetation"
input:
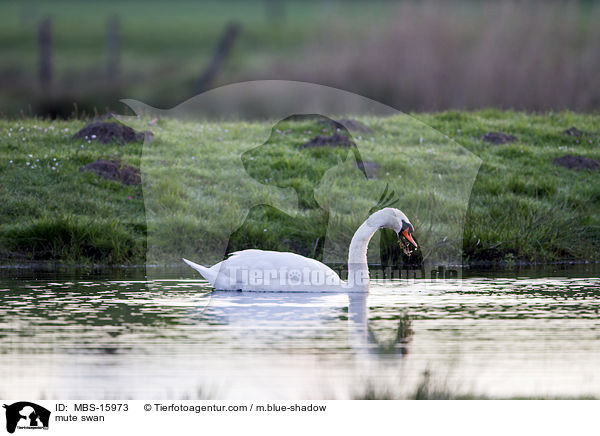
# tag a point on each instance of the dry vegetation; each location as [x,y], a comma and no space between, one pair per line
[439,55]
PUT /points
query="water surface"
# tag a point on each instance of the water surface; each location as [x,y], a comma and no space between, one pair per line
[112,334]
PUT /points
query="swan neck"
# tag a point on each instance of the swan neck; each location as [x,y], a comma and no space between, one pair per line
[358,269]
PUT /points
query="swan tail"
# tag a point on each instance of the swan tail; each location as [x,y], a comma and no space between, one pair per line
[209,275]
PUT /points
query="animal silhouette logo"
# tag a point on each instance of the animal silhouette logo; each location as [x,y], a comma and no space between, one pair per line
[26,415]
[298,178]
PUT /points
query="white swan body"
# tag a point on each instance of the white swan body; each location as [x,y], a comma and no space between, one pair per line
[274,271]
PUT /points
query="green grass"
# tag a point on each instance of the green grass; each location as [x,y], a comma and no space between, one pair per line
[62,213]
[521,208]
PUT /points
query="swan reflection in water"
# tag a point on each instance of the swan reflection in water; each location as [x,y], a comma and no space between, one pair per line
[244,345]
[303,320]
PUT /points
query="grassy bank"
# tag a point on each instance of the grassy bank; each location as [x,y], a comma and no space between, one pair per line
[522,207]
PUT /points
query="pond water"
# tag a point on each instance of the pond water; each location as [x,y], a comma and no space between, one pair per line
[110,334]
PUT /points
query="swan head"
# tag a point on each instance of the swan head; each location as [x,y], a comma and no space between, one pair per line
[396,220]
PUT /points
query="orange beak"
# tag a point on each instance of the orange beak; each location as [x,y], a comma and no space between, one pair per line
[408,236]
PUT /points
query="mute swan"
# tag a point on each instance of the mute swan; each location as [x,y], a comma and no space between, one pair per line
[274,271]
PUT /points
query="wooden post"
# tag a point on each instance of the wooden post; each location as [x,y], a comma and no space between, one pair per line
[222,51]
[45,41]
[113,49]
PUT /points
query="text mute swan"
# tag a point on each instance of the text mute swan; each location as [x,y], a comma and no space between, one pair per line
[274,271]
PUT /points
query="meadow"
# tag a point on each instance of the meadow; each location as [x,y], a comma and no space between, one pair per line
[522,207]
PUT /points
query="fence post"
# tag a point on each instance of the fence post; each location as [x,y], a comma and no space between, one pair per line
[113,49]
[220,55]
[45,42]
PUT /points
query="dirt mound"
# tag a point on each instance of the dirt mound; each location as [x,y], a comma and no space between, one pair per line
[109,132]
[574,162]
[344,124]
[336,140]
[352,125]
[114,170]
[498,137]
[355,126]
[573,131]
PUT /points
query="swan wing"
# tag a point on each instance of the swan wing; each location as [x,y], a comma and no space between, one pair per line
[262,270]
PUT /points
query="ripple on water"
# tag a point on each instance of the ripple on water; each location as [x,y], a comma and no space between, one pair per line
[502,336]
